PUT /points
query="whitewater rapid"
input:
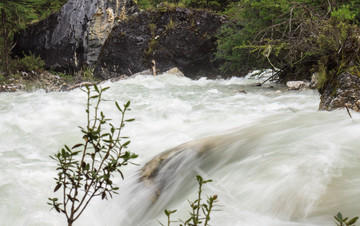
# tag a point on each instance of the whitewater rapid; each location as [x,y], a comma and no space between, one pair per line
[277,159]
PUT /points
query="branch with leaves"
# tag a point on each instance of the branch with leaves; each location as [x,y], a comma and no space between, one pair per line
[197,217]
[86,170]
[340,221]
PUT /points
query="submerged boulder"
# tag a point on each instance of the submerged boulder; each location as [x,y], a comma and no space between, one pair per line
[73,37]
[176,37]
[344,92]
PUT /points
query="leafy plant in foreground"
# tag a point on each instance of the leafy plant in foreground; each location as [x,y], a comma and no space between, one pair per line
[340,221]
[86,170]
[196,217]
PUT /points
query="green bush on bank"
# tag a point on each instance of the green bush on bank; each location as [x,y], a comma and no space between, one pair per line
[297,37]
[28,63]
[215,5]
[14,16]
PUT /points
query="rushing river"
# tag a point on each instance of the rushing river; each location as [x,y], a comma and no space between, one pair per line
[277,160]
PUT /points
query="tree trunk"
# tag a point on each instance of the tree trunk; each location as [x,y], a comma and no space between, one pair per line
[5,34]
[70,221]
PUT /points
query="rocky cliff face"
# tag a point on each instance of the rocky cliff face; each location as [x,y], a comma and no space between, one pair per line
[344,92]
[73,37]
[176,37]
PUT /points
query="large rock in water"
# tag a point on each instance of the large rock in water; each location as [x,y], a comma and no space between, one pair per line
[73,37]
[343,92]
[176,37]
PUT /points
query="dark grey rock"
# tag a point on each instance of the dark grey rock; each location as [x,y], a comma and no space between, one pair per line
[177,37]
[343,92]
[73,37]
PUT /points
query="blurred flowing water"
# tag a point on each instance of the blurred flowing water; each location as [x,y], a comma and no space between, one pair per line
[274,159]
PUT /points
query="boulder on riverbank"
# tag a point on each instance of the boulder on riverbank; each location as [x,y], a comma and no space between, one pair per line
[341,93]
[177,37]
[297,85]
[71,38]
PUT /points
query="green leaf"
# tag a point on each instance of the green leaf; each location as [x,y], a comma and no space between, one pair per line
[96,88]
[199,179]
[67,148]
[129,120]
[75,153]
[173,211]
[77,145]
[57,187]
[57,208]
[134,156]
[121,174]
[103,89]
[118,107]
[353,221]
[126,143]
[339,217]
[127,104]
[106,135]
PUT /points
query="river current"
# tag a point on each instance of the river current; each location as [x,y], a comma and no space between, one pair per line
[277,160]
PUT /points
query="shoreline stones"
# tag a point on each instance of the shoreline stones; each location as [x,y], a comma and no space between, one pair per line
[297,85]
[342,93]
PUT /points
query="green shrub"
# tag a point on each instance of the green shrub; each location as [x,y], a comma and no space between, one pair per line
[28,63]
[86,73]
[340,221]
[197,217]
[292,36]
[86,170]
[344,13]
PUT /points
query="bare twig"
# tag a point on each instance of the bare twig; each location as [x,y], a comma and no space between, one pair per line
[348,111]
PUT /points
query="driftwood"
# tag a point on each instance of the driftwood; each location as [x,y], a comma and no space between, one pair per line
[79,85]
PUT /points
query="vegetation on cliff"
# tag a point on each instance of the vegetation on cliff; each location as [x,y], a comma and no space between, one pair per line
[15,15]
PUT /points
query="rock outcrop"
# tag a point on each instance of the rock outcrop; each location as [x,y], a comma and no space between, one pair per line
[73,37]
[177,37]
[297,85]
[344,92]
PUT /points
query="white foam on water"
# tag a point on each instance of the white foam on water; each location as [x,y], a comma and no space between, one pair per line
[276,160]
